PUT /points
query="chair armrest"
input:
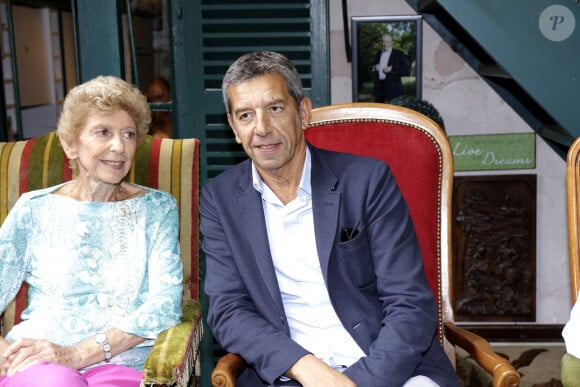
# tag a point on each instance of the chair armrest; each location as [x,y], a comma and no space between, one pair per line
[227,369]
[229,366]
[175,356]
[504,374]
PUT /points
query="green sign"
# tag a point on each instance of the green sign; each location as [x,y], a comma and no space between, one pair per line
[494,151]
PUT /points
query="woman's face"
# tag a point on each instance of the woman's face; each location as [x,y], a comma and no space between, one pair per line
[104,147]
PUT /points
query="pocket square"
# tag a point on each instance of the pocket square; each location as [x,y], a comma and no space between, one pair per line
[347,233]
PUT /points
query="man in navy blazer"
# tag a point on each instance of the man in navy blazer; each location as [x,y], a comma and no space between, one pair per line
[389,66]
[313,269]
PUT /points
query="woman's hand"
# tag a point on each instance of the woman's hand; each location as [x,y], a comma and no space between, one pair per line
[24,353]
[4,344]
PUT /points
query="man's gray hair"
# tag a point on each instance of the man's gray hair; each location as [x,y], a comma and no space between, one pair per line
[258,63]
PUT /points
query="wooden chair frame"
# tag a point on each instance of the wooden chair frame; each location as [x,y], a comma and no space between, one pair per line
[573,192]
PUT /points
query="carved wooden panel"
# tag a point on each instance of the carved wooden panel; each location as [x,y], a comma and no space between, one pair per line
[494,245]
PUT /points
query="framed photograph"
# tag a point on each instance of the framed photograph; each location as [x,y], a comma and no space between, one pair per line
[386,57]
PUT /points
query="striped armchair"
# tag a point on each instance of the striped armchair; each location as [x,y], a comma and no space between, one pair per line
[165,164]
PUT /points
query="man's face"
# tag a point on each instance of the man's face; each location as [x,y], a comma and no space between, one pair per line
[387,42]
[269,125]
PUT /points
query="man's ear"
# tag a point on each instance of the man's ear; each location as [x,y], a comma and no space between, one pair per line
[231,122]
[305,112]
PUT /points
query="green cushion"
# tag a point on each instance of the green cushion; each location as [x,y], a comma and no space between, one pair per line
[176,351]
[570,371]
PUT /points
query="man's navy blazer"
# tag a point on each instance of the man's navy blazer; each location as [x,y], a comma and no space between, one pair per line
[376,280]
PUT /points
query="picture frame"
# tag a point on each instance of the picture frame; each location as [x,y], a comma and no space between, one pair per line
[367,41]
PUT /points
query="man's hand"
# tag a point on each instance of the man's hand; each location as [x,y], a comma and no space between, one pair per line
[387,69]
[310,371]
[24,353]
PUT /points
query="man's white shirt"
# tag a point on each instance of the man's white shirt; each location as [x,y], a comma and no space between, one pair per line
[312,319]
[384,62]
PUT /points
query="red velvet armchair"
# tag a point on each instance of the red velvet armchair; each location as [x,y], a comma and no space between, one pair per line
[419,155]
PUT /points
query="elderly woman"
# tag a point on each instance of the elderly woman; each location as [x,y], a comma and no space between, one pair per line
[100,255]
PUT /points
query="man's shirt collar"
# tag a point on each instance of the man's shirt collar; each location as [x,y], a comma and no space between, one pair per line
[305,185]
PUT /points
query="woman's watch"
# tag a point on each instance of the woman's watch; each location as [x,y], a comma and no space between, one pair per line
[101,338]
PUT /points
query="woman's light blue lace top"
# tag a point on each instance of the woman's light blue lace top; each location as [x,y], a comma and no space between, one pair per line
[91,266]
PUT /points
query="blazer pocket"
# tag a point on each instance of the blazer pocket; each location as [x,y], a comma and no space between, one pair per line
[355,260]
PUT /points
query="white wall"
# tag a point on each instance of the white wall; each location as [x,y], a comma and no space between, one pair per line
[469,106]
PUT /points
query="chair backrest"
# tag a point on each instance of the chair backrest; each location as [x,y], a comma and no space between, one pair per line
[165,164]
[419,155]
[573,192]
